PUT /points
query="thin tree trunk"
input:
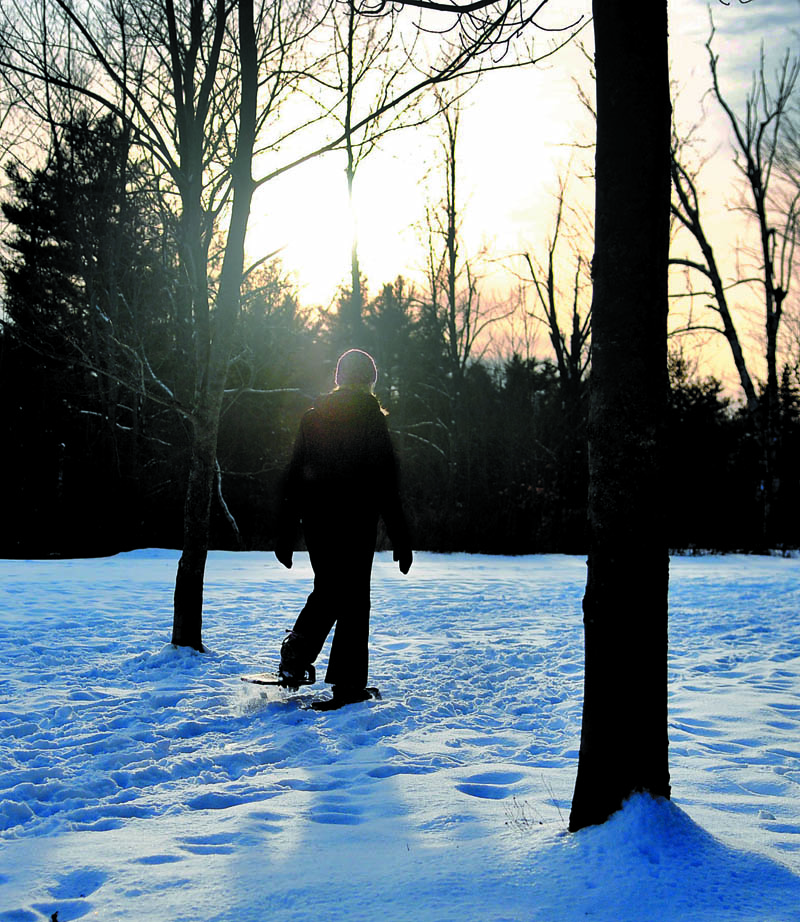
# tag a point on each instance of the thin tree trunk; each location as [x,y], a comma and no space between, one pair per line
[356,295]
[187,624]
[687,210]
[188,608]
[624,741]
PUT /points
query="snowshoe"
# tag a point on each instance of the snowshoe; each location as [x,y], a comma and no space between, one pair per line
[294,678]
[291,682]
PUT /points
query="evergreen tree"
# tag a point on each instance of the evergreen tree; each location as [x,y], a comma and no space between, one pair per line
[700,445]
[87,296]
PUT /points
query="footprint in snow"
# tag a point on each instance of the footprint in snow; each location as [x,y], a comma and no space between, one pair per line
[158,859]
[78,884]
[70,891]
[220,843]
[336,811]
[489,785]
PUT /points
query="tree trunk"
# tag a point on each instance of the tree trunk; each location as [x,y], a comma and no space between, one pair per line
[187,621]
[188,608]
[354,320]
[624,741]
[352,309]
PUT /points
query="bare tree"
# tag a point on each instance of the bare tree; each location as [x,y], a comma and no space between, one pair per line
[789,160]
[564,315]
[563,311]
[624,742]
[686,208]
[200,86]
[370,60]
[194,84]
[773,216]
[453,280]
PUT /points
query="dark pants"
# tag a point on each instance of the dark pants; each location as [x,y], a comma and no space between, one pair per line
[341,557]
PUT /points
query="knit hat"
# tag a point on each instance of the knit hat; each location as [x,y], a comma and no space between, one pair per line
[356,368]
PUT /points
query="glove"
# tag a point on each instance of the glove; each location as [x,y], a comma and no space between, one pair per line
[284,554]
[404,559]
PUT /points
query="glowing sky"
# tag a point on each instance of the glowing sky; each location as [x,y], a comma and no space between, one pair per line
[515,132]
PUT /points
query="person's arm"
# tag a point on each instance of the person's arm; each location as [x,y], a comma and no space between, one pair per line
[391,506]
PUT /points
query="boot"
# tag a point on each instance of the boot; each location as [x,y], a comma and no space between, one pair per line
[345,694]
[294,669]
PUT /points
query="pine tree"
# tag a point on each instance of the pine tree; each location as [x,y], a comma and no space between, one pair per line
[87,295]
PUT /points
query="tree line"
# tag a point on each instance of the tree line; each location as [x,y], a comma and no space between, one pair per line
[493,450]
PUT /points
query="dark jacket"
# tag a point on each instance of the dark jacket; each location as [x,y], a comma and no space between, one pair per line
[343,470]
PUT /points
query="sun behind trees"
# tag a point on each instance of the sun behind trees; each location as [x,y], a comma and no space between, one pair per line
[201,89]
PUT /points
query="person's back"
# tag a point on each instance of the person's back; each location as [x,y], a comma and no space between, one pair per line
[345,454]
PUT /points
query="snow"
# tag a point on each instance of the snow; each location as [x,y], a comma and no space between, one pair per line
[142,782]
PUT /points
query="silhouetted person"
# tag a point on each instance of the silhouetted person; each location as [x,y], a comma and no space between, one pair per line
[341,479]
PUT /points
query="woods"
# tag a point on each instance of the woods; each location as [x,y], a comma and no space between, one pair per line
[198,89]
[504,471]
[104,367]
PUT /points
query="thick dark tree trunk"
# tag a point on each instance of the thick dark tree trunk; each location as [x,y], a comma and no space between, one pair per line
[624,743]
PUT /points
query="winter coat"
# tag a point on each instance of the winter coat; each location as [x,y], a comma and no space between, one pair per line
[343,474]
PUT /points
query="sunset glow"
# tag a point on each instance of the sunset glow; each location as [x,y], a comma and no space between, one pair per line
[521,131]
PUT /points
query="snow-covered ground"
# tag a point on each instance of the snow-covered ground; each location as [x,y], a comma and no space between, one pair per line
[142,782]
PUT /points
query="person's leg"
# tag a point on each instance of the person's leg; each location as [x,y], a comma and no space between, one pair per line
[341,548]
[316,619]
[348,664]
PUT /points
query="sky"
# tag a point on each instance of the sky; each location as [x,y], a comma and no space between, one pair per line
[515,141]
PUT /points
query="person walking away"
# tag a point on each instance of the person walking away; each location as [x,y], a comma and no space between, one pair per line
[341,479]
